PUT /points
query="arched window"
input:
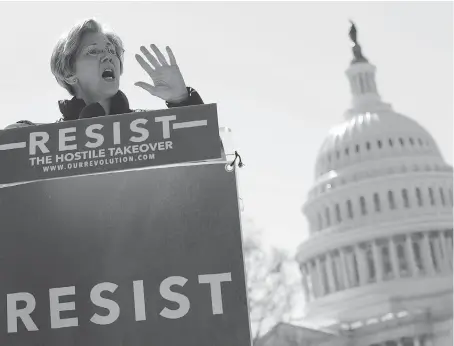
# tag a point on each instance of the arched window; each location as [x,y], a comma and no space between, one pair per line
[420,142]
[405,198]
[324,278]
[336,272]
[350,209]
[377,202]
[412,142]
[392,203]
[362,202]
[403,266]
[433,250]
[357,148]
[319,220]
[442,196]
[368,146]
[354,278]
[370,263]
[418,255]
[390,142]
[338,213]
[379,144]
[431,196]
[328,218]
[401,141]
[387,265]
[419,197]
[346,151]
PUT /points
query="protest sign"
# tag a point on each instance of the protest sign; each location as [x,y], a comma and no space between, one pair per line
[132,258]
[109,143]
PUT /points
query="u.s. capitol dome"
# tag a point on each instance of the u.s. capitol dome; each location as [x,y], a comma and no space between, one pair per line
[377,266]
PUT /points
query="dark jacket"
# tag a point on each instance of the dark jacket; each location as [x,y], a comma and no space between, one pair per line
[77,109]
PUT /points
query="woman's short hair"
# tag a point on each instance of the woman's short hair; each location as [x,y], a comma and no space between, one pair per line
[63,56]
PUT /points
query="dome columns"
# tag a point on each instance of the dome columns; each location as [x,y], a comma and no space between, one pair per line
[376,261]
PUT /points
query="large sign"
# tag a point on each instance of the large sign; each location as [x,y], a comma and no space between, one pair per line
[144,257]
[109,143]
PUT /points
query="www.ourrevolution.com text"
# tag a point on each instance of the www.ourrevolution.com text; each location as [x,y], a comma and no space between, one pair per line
[95,163]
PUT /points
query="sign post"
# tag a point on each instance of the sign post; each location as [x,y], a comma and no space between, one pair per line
[132,258]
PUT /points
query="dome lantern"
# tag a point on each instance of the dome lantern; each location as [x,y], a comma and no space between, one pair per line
[361,74]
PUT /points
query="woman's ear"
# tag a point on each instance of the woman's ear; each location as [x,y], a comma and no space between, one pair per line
[71,80]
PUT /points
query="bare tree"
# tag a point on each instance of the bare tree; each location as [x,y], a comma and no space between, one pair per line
[272,284]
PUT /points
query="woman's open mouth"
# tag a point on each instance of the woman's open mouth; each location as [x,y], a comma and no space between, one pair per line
[108,75]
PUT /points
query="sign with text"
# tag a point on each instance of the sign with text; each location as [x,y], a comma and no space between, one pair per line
[109,143]
[145,257]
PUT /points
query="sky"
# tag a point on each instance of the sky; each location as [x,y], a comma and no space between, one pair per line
[275,70]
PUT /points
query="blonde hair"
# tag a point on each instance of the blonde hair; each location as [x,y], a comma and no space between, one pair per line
[64,53]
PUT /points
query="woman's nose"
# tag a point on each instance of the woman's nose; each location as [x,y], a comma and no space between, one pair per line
[105,58]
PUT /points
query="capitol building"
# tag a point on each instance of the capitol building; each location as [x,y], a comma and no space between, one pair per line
[377,267]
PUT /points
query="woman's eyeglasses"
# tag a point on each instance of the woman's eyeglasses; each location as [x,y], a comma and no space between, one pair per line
[96,51]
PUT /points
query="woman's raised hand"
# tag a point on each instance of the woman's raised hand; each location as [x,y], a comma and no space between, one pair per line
[168,81]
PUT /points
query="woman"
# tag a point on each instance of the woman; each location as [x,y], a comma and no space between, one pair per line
[88,63]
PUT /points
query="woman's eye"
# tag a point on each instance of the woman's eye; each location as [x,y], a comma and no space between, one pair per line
[93,51]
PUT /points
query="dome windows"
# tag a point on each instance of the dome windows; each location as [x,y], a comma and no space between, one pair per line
[377,202]
[340,156]
[431,196]
[391,202]
[405,198]
[371,275]
[338,214]
[402,260]
[350,209]
[327,217]
[417,254]
[362,202]
[387,262]
[419,197]
[442,196]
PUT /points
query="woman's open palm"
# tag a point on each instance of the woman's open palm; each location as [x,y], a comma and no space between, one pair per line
[168,81]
